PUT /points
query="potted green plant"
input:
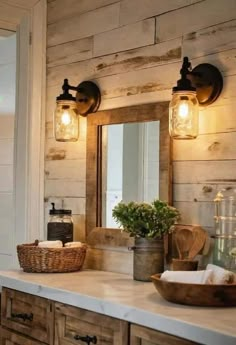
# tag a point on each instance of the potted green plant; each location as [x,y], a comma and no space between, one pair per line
[148,224]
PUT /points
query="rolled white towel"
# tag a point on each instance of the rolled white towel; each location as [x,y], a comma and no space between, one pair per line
[191,277]
[73,244]
[50,244]
[220,275]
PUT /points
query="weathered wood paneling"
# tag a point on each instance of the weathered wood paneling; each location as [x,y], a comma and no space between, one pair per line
[57,151]
[135,10]
[210,40]
[210,119]
[204,171]
[65,188]
[67,53]
[120,63]
[124,38]
[221,146]
[57,9]
[193,18]
[202,30]
[138,82]
[196,212]
[68,169]
[84,25]
[197,192]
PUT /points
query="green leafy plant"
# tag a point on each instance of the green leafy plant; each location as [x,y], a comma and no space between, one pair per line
[145,220]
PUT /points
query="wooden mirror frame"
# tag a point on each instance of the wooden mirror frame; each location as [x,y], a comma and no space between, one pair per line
[95,234]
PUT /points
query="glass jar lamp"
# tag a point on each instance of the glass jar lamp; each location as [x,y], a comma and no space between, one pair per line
[66,121]
[183,115]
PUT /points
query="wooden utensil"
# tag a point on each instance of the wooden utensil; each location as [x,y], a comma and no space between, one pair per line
[200,237]
[184,240]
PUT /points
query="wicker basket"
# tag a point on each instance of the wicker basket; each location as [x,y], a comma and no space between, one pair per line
[51,260]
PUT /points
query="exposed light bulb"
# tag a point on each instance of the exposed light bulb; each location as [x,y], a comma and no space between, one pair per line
[183,111]
[65,118]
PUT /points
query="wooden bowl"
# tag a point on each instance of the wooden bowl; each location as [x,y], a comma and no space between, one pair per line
[204,295]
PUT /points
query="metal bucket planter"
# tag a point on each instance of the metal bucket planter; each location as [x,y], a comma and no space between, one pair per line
[148,258]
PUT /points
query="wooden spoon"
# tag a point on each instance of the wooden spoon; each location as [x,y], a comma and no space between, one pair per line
[184,240]
[200,237]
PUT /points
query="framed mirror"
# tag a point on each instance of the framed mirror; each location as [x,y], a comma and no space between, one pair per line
[128,158]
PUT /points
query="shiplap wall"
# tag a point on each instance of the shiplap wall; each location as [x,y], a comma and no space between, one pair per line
[133,50]
[11,14]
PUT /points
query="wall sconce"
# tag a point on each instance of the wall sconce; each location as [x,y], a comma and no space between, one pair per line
[200,86]
[68,109]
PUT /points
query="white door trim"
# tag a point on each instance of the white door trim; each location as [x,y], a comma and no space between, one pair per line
[30,127]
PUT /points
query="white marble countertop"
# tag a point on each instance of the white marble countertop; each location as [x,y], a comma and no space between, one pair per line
[118,295]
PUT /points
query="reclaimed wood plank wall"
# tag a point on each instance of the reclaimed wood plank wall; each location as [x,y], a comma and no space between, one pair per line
[133,50]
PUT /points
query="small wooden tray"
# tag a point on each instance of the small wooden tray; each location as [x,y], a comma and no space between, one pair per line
[204,295]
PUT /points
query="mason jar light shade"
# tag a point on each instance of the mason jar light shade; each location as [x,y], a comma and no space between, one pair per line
[66,121]
[183,115]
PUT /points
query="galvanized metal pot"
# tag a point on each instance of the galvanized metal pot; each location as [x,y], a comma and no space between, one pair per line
[148,258]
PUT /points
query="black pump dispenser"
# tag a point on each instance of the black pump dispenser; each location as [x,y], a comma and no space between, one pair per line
[60,225]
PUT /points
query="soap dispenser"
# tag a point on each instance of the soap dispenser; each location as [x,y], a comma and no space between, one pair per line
[60,225]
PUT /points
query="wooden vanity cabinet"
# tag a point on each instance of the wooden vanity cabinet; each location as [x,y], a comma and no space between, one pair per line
[140,335]
[26,317]
[11,338]
[31,320]
[72,323]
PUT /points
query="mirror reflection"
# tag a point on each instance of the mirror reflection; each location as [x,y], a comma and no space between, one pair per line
[130,165]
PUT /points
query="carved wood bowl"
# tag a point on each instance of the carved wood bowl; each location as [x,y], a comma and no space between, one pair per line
[204,295]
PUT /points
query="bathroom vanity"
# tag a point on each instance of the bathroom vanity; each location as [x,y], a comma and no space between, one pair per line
[110,308]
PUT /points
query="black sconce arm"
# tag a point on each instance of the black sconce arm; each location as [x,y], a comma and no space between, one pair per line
[205,79]
[88,96]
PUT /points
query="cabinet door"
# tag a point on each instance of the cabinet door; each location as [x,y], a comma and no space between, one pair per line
[10,338]
[145,336]
[27,314]
[79,326]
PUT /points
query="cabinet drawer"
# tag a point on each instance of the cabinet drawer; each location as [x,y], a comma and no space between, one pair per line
[11,338]
[28,314]
[73,323]
[146,336]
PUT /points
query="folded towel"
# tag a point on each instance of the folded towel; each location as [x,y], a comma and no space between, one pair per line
[220,275]
[73,244]
[191,277]
[50,244]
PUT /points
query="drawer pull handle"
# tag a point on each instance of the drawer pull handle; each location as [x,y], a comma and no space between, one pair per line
[87,339]
[23,316]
